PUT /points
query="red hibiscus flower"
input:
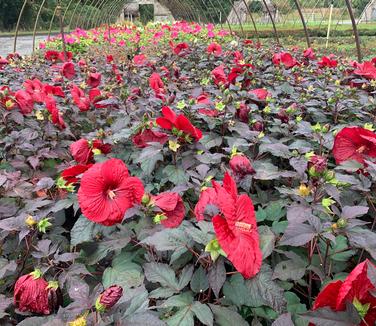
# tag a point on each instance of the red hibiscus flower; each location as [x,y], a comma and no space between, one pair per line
[142,138]
[309,54]
[241,166]
[68,71]
[56,116]
[214,48]
[36,89]
[107,192]
[157,85]
[284,58]
[180,49]
[139,59]
[83,151]
[24,101]
[71,175]
[172,209]
[96,96]
[94,79]
[52,55]
[234,73]
[219,75]
[355,289]
[236,229]
[260,93]
[208,196]
[366,70]
[329,62]
[209,112]
[79,98]
[180,122]
[31,294]
[54,90]
[354,143]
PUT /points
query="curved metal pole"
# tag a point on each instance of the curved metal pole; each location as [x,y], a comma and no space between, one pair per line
[237,15]
[97,6]
[253,21]
[66,9]
[355,29]
[303,22]
[106,14]
[73,14]
[18,26]
[36,23]
[79,17]
[228,23]
[51,22]
[272,20]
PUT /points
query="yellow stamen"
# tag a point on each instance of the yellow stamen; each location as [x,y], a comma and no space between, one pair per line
[245,227]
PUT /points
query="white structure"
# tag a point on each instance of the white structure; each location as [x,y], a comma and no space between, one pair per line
[131,11]
[369,13]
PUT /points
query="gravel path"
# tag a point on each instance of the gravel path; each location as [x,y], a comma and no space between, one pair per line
[24,44]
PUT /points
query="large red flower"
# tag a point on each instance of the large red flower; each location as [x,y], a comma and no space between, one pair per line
[219,75]
[24,101]
[329,62]
[94,79]
[68,71]
[214,48]
[284,58]
[56,116]
[107,192]
[157,85]
[83,151]
[356,289]
[31,294]
[366,69]
[36,89]
[354,143]
[142,138]
[80,99]
[180,122]
[208,196]
[236,229]
[172,207]
[180,49]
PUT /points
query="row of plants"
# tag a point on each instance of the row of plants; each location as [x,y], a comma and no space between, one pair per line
[178,175]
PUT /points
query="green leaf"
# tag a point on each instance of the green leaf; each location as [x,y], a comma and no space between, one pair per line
[161,273]
[266,290]
[186,276]
[169,239]
[236,291]
[199,282]
[289,270]
[180,300]
[328,317]
[274,211]
[127,275]
[176,175]
[224,316]
[293,303]
[184,317]
[203,313]
[267,240]
[85,230]
[144,319]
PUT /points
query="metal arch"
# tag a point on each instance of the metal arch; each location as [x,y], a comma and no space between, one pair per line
[253,21]
[228,23]
[237,16]
[355,30]
[73,14]
[79,22]
[303,22]
[89,20]
[273,23]
[36,23]
[51,22]
[67,8]
[18,25]
[111,10]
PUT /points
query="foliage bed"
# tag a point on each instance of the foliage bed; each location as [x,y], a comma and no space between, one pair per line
[315,221]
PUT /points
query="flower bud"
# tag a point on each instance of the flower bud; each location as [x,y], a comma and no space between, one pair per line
[304,191]
[319,163]
[108,298]
[241,166]
[31,293]
[243,113]
[30,222]
[258,126]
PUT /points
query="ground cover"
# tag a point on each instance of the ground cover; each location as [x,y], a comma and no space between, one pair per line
[179,175]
